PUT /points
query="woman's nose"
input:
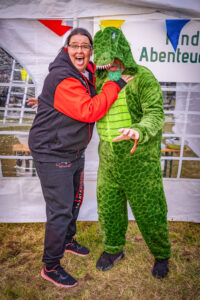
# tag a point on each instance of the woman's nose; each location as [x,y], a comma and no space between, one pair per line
[79,49]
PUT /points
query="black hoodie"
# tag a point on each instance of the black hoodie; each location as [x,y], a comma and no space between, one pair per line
[67,109]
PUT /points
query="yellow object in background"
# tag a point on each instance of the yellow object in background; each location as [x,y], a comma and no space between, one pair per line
[112,23]
[23,74]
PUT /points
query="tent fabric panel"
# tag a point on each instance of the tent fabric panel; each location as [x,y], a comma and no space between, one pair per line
[22,201]
[88,8]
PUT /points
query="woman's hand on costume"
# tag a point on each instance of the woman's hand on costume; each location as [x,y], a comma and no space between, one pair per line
[127,78]
[33,102]
[127,134]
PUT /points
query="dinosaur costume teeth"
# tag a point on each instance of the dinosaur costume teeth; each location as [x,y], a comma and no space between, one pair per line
[123,177]
[104,67]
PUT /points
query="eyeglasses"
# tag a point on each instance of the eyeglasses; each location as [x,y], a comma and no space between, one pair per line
[84,47]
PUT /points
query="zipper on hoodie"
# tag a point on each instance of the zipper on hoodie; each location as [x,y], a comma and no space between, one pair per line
[86,81]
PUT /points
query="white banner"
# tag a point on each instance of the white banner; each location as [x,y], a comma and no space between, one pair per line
[152,48]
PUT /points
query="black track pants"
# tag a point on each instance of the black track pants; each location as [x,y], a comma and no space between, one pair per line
[63,189]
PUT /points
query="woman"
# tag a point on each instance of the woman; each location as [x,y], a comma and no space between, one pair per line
[67,109]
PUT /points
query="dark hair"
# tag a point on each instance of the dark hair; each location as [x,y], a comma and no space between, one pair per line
[80,31]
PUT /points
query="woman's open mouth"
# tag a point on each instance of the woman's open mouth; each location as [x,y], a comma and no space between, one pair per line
[80,61]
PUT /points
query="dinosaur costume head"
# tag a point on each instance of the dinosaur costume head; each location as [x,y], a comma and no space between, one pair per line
[112,53]
[110,43]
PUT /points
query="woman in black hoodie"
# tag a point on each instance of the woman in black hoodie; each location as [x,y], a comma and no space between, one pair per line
[67,109]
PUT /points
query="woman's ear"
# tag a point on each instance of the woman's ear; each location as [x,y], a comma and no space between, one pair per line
[91,51]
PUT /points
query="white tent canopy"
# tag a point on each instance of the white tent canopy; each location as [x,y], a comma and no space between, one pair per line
[34,46]
[61,9]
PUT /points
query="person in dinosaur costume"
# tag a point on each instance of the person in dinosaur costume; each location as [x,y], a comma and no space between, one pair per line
[130,177]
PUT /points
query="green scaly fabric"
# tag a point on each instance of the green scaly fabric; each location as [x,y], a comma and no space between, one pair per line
[123,177]
[117,117]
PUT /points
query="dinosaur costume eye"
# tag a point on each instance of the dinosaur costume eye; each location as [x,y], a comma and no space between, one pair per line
[113,35]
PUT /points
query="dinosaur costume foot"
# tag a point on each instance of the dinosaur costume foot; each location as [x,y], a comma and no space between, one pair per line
[106,260]
[160,268]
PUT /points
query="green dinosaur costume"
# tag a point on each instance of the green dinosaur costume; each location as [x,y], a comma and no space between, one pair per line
[122,176]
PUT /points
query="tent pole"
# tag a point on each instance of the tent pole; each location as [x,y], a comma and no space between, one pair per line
[75,22]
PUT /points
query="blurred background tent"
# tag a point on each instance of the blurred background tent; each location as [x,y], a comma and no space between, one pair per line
[164,36]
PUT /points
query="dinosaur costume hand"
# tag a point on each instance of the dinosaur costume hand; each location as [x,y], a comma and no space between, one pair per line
[127,78]
[127,134]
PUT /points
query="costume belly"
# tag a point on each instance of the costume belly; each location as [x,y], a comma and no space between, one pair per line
[117,117]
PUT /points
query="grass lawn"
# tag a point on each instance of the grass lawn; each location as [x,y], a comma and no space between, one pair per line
[21,247]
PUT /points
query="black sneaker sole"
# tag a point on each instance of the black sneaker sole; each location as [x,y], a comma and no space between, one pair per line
[76,253]
[54,282]
[111,265]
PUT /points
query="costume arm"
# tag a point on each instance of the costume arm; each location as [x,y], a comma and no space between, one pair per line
[151,100]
